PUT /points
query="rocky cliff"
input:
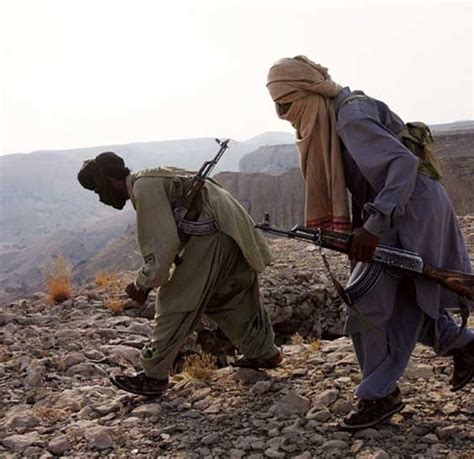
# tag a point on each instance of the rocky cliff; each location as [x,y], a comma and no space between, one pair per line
[455,149]
[272,159]
[280,195]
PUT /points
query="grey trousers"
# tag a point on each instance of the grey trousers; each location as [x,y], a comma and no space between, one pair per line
[383,351]
[217,281]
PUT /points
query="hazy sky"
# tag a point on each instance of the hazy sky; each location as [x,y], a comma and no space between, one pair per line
[93,72]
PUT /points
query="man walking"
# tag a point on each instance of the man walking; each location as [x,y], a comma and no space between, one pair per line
[350,141]
[218,275]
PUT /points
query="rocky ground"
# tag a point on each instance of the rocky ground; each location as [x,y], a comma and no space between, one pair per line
[57,400]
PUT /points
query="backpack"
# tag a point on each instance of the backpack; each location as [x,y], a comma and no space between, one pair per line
[417,137]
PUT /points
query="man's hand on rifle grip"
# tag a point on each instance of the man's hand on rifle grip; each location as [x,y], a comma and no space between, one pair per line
[363,245]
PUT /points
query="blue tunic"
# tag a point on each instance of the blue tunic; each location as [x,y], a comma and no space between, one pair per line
[406,208]
[410,210]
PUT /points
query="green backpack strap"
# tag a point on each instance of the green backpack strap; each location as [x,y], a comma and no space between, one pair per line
[417,137]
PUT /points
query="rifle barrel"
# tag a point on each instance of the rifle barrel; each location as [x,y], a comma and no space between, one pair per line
[204,173]
[292,234]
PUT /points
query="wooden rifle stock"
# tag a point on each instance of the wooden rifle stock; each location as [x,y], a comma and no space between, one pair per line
[458,282]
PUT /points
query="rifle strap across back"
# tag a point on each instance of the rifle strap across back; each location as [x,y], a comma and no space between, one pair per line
[188,228]
[187,219]
[195,228]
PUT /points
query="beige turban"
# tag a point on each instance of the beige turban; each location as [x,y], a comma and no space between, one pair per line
[308,87]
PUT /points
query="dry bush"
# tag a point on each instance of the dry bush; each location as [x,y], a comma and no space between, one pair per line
[75,435]
[49,414]
[57,274]
[200,366]
[113,294]
[106,280]
[296,339]
[114,305]
[314,345]
[3,354]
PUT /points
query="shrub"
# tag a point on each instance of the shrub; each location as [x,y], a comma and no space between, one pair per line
[49,414]
[114,305]
[58,280]
[297,339]
[200,366]
[106,280]
[3,354]
[314,345]
[112,292]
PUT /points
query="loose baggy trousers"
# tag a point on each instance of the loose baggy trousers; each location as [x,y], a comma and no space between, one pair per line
[217,281]
[395,323]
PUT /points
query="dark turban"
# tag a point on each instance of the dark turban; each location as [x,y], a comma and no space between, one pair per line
[106,164]
[94,176]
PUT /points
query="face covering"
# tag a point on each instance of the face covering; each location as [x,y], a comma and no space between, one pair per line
[109,195]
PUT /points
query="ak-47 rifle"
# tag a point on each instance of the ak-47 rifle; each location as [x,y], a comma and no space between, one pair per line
[185,205]
[411,262]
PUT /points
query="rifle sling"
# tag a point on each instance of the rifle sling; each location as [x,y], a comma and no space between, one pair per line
[343,294]
[187,218]
[198,228]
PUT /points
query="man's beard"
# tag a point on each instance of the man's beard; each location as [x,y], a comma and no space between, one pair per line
[111,197]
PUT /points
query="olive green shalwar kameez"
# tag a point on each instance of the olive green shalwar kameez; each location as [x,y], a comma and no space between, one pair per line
[218,276]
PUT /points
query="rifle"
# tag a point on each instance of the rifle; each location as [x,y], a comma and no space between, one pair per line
[404,260]
[183,207]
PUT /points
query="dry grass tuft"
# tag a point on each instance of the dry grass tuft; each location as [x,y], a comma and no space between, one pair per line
[75,435]
[106,280]
[57,275]
[297,339]
[113,291]
[200,367]
[49,414]
[114,305]
[314,345]
[3,354]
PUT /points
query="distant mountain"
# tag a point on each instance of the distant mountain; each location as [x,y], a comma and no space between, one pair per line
[456,127]
[39,193]
[271,138]
[43,208]
[21,271]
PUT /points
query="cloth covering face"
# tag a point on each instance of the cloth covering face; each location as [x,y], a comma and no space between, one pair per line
[309,90]
[95,175]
